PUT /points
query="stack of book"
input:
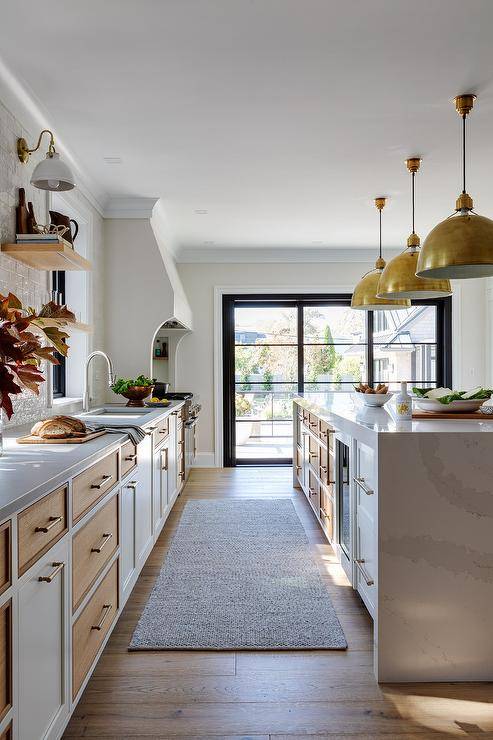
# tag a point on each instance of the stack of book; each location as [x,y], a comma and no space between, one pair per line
[42,238]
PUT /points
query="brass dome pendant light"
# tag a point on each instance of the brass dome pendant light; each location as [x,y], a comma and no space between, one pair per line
[462,245]
[399,279]
[365,293]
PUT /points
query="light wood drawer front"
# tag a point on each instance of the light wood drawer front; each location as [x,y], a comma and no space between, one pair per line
[40,526]
[326,434]
[327,511]
[5,556]
[92,626]
[93,484]
[129,457]
[161,432]
[92,547]
[5,658]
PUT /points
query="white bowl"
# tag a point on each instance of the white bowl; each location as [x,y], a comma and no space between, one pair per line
[373,399]
[455,407]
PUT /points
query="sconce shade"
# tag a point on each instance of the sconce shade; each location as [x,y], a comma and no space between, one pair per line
[52,174]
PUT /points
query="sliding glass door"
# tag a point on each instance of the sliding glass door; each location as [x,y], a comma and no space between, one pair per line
[275,348]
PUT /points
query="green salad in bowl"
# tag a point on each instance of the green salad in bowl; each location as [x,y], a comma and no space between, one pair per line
[447,400]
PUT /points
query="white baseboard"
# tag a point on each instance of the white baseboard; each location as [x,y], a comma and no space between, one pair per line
[204,460]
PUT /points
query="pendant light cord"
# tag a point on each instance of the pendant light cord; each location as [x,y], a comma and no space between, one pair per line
[413,175]
[380,240]
[463,153]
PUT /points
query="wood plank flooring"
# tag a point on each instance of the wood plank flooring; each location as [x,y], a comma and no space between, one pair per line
[266,696]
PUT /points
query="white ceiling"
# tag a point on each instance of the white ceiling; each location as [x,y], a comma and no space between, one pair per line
[280,118]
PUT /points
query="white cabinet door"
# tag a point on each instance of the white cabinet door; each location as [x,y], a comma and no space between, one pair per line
[43,616]
[164,465]
[143,508]
[128,496]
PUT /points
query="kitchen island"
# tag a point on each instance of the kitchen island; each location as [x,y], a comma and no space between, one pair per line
[408,507]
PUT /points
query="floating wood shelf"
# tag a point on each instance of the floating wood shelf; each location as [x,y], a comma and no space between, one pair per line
[47,256]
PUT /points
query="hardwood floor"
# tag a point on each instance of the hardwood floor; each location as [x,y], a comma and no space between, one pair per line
[276,695]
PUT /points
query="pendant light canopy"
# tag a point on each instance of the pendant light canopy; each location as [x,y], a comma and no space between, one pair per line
[462,245]
[399,279]
[365,293]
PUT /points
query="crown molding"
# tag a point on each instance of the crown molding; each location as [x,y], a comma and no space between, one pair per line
[32,116]
[118,206]
[245,255]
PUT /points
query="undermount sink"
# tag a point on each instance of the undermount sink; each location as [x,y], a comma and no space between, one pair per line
[119,412]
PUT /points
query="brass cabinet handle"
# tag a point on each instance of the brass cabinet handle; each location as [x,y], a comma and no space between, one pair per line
[323,468]
[324,513]
[104,482]
[181,441]
[54,521]
[150,430]
[164,431]
[312,491]
[131,457]
[57,568]
[132,484]
[368,580]
[361,483]
[298,467]
[164,459]
[106,538]
[106,610]
[181,476]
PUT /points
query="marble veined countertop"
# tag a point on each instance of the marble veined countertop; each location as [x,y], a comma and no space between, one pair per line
[27,472]
[348,413]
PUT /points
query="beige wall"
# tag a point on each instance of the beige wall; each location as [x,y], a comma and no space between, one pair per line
[195,363]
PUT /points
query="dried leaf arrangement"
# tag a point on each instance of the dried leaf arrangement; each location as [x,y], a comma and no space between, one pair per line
[27,337]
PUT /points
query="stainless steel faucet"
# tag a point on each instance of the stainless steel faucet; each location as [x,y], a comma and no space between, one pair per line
[111,376]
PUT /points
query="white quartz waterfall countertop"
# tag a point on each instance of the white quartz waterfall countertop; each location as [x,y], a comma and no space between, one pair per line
[348,413]
[27,472]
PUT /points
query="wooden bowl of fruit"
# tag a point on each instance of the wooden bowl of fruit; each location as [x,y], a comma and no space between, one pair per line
[377,396]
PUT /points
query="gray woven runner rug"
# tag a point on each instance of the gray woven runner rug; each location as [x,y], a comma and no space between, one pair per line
[239,575]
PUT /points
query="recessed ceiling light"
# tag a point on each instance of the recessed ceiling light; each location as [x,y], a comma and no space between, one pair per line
[112,160]
[201,211]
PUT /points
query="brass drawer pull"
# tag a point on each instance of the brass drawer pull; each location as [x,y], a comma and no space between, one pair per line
[150,430]
[106,538]
[54,521]
[368,580]
[298,467]
[104,482]
[132,484]
[164,459]
[323,468]
[57,568]
[131,458]
[164,431]
[312,491]
[324,513]
[181,441]
[361,483]
[181,476]
[106,609]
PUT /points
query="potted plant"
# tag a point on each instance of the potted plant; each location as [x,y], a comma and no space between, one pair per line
[135,389]
[27,338]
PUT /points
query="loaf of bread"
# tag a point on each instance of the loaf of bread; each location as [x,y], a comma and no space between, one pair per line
[59,427]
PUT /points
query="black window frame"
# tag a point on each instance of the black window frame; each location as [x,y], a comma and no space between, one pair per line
[59,373]
[230,301]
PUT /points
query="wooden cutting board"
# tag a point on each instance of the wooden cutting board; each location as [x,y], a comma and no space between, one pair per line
[30,440]
[476,415]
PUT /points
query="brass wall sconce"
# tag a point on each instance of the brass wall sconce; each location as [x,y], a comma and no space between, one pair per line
[51,173]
